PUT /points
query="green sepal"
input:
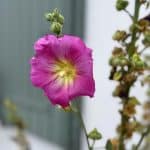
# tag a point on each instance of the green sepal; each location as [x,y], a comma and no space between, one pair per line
[95,135]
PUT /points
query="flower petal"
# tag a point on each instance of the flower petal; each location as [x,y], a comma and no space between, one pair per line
[71,47]
[57,93]
[84,66]
[45,43]
[40,72]
[77,54]
[82,86]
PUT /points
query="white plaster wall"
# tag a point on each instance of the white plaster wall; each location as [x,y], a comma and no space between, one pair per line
[102,111]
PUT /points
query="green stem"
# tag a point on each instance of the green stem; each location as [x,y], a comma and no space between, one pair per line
[131,48]
[124,120]
[142,138]
[126,11]
[121,138]
[83,127]
[92,147]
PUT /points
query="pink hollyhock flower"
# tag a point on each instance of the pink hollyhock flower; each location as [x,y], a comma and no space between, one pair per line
[63,68]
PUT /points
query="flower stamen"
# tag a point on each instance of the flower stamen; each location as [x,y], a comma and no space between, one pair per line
[65,71]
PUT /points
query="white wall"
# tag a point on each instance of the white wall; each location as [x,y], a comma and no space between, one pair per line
[101,21]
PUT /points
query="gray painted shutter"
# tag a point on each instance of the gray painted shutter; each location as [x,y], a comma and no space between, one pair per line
[21,23]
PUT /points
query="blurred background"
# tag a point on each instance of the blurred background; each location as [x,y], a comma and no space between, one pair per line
[22,23]
[101,21]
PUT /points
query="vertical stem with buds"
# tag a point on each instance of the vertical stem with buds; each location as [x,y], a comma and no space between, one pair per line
[135,19]
[130,51]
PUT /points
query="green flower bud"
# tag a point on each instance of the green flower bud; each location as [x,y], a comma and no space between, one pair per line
[132,27]
[146,40]
[109,145]
[56,20]
[49,17]
[56,28]
[140,64]
[134,101]
[136,57]
[121,4]
[114,61]
[60,19]
[143,24]
[111,61]
[55,14]
[124,62]
[117,51]
[117,76]
[119,35]
[94,135]
[118,61]
[137,62]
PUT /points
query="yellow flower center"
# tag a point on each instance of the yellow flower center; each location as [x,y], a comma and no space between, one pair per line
[65,71]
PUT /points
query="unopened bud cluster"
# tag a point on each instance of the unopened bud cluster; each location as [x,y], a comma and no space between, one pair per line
[127,64]
[57,21]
